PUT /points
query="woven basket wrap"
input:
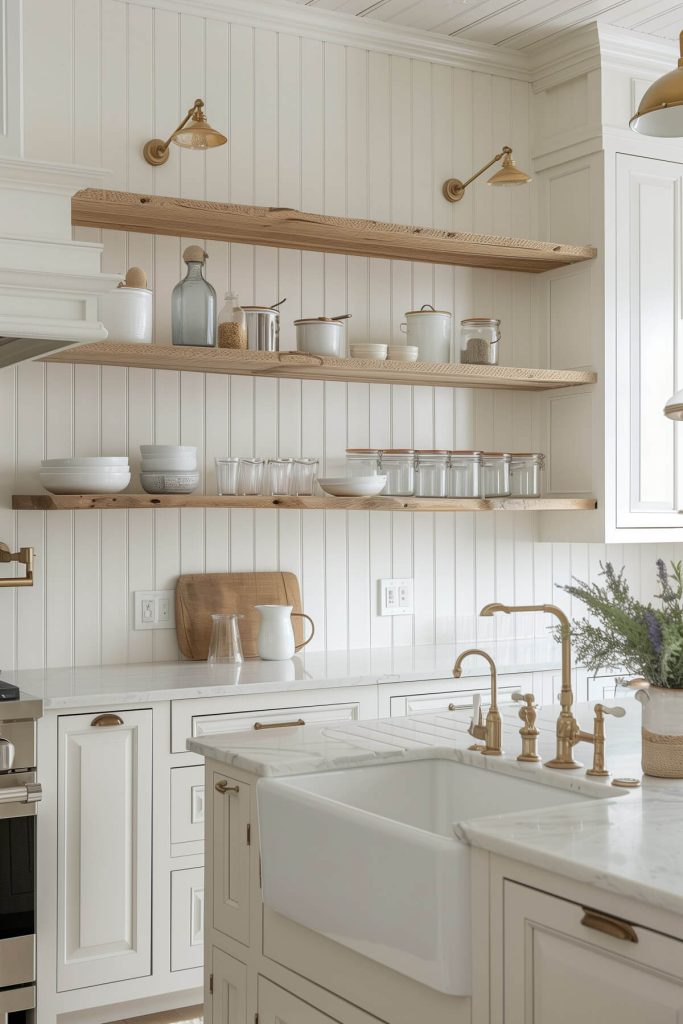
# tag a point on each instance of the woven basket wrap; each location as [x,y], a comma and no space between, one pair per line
[662,755]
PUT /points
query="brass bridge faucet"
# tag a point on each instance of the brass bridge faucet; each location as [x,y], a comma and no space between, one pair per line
[491,733]
[567,733]
[597,738]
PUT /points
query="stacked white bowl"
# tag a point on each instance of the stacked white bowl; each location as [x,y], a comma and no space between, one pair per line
[169,468]
[98,474]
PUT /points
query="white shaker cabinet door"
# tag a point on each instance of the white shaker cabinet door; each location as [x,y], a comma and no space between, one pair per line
[105,848]
[228,1004]
[647,452]
[230,856]
[560,967]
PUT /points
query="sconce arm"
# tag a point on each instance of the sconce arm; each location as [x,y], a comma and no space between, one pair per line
[494,160]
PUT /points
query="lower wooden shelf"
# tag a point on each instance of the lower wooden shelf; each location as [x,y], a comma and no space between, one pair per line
[66,502]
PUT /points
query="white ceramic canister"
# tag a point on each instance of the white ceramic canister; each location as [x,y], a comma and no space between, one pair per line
[430,330]
[127,311]
[319,336]
[276,635]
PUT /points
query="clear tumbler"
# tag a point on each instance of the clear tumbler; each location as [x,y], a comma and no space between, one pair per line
[225,645]
[226,475]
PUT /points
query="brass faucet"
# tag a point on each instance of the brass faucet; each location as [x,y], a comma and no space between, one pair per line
[567,732]
[491,733]
[597,738]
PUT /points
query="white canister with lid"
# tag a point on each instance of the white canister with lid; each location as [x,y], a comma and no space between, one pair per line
[320,336]
[127,311]
[430,330]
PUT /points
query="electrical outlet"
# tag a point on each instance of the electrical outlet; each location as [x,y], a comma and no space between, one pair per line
[154,609]
[396,597]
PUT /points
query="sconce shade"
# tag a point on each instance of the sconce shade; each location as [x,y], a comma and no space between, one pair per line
[660,111]
[509,174]
[199,136]
[674,406]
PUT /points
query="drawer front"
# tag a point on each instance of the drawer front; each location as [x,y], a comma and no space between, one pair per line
[187,810]
[433,703]
[278,1006]
[212,723]
[230,856]
[187,919]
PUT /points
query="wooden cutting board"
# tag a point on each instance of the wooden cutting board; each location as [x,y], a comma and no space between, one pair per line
[199,595]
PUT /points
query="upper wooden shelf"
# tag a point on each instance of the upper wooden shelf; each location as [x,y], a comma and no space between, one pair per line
[292,229]
[64,502]
[303,367]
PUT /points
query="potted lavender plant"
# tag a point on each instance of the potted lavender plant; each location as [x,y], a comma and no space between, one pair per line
[647,641]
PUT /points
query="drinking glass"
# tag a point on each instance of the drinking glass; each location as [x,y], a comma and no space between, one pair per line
[225,645]
[304,474]
[226,475]
[279,475]
[250,476]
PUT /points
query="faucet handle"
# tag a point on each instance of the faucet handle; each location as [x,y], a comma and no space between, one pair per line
[528,698]
[618,711]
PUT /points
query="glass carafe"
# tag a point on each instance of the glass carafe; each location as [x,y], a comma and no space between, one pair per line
[225,645]
[193,304]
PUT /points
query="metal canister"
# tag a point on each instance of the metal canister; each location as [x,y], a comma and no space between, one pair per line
[263,327]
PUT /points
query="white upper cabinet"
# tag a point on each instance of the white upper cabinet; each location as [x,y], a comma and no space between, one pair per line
[648,302]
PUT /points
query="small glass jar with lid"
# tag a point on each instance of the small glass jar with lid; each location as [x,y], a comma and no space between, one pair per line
[465,475]
[525,474]
[495,470]
[363,461]
[479,341]
[431,473]
[399,466]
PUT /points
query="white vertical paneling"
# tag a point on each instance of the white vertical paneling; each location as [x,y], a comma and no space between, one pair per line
[326,128]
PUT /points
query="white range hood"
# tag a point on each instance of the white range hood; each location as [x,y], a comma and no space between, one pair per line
[49,283]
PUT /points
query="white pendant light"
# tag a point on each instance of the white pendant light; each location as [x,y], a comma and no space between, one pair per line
[660,111]
[674,406]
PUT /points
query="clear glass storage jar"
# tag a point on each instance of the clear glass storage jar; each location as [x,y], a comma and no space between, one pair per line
[465,475]
[495,467]
[363,461]
[431,473]
[479,341]
[399,466]
[525,474]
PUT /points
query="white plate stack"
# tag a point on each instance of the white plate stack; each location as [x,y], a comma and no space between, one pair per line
[169,468]
[98,474]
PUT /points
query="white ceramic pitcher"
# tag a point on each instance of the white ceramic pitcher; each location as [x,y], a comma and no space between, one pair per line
[276,635]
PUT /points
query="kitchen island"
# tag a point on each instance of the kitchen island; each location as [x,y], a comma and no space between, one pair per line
[577,912]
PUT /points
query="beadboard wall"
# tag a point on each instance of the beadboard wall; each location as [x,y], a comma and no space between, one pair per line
[311,124]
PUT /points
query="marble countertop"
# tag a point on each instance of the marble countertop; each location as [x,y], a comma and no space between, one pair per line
[630,845]
[61,688]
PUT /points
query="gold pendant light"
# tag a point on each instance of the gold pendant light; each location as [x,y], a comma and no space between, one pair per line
[660,111]
[193,132]
[509,174]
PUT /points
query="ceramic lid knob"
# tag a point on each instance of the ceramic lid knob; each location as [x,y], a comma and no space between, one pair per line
[135,278]
[195,254]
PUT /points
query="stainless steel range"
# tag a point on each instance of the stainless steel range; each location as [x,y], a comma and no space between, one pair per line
[19,796]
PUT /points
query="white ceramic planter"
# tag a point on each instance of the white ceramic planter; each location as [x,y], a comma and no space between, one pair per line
[662,731]
[127,314]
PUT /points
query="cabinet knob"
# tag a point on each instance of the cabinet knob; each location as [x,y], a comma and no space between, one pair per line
[223,787]
[107,720]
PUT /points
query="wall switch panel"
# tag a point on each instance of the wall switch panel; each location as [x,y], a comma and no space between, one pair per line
[154,609]
[396,597]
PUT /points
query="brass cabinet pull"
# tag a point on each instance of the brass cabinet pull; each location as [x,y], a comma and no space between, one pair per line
[107,719]
[278,725]
[608,925]
[223,787]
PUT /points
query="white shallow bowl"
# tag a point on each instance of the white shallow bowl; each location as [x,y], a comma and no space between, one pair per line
[168,463]
[97,461]
[403,353]
[85,481]
[368,351]
[176,482]
[167,449]
[354,486]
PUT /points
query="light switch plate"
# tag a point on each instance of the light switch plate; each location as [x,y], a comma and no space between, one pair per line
[395,597]
[154,609]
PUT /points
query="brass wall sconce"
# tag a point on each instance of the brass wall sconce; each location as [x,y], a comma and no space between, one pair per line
[25,557]
[193,132]
[509,174]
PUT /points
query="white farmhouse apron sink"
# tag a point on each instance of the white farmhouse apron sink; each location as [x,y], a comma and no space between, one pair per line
[368,857]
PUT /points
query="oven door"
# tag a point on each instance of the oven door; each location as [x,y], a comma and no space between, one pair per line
[17,885]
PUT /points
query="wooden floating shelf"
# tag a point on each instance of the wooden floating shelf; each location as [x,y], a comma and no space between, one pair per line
[302,367]
[292,229]
[66,502]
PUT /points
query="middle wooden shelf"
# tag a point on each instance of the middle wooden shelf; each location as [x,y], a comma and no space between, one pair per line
[299,366]
[384,503]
